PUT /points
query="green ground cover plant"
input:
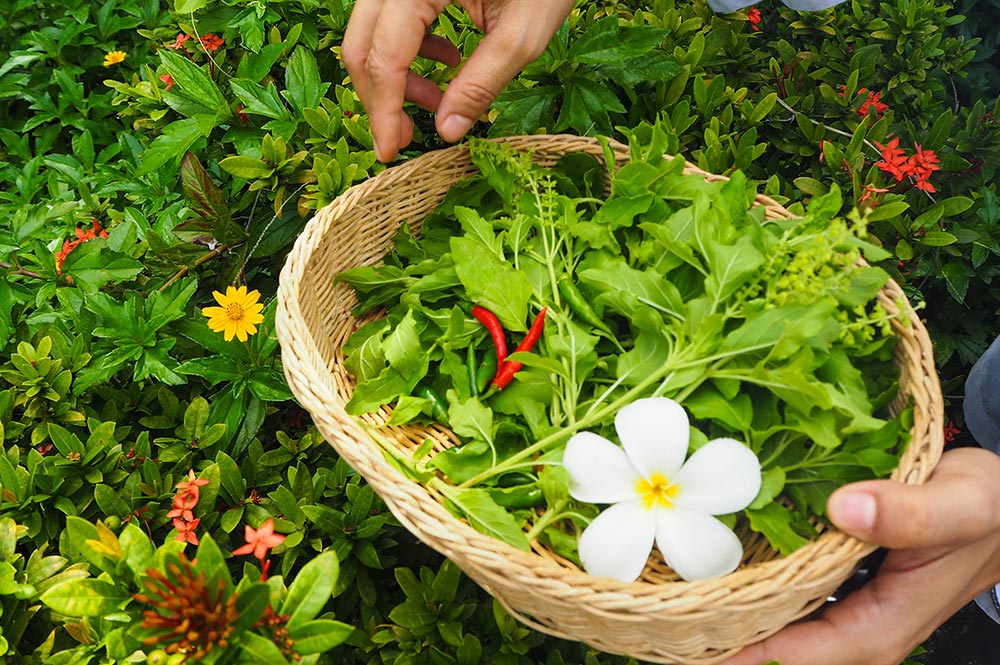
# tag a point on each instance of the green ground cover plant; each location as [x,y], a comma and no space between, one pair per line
[153,153]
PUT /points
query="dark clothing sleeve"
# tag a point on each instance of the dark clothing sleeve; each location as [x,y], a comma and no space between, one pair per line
[982,418]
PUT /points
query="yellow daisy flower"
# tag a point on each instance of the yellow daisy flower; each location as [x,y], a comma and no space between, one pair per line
[114,57]
[238,314]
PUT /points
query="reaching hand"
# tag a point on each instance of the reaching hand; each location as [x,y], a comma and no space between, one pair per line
[384,36]
[944,540]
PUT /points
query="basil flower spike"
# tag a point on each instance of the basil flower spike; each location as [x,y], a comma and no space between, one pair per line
[656,496]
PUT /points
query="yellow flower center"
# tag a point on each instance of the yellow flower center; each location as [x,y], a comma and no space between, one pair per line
[234,311]
[656,491]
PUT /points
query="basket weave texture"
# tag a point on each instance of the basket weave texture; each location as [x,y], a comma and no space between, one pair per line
[658,618]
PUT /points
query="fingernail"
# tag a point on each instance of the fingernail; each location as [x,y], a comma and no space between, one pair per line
[454,127]
[853,511]
[379,155]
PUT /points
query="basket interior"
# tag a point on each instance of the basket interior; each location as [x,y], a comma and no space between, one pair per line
[362,236]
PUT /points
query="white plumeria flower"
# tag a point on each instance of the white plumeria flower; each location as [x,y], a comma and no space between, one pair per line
[657,496]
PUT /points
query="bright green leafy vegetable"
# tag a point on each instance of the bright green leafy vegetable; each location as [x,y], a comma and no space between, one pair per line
[766,331]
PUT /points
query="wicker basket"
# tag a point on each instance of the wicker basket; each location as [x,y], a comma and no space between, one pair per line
[658,618]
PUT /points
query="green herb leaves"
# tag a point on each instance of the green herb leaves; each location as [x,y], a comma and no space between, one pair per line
[767,330]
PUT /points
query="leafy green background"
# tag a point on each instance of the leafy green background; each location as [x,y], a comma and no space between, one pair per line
[112,388]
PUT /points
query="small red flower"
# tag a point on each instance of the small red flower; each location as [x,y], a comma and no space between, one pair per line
[185,530]
[753,18]
[874,101]
[169,80]
[192,482]
[259,541]
[178,42]
[81,237]
[951,431]
[212,42]
[894,161]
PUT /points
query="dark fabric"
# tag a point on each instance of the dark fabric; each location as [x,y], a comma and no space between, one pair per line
[982,417]
[982,399]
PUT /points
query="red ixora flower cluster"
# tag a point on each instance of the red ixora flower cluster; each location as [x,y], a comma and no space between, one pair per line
[872,101]
[920,165]
[753,18]
[209,42]
[182,509]
[81,237]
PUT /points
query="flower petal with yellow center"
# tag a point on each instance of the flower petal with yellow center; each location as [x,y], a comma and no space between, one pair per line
[237,315]
[659,497]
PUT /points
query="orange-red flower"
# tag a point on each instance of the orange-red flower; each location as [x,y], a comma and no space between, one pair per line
[259,541]
[192,482]
[894,161]
[185,530]
[753,18]
[81,237]
[951,431]
[178,42]
[874,101]
[169,80]
[920,165]
[212,42]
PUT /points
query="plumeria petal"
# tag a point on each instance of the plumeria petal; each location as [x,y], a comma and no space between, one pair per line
[617,543]
[655,433]
[600,470]
[723,476]
[695,545]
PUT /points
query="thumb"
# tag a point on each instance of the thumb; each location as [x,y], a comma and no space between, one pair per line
[954,507]
[497,59]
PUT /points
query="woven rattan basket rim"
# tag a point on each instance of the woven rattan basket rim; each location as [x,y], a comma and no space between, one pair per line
[820,564]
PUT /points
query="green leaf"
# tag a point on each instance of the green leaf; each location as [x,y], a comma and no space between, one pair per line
[311,590]
[92,268]
[188,6]
[730,266]
[470,419]
[586,105]
[214,369]
[937,239]
[193,85]
[319,635]
[251,603]
[485,516]
[249,168]
[85,598]
[172,143]
[402,347]
[260,649]
[303,85]
[774,522]
[259,99]
[492,283]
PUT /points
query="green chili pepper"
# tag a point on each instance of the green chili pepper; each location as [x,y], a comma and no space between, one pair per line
[515,478]
[439,408]
[579,305]
[522,496]
[471,368]
[486,371]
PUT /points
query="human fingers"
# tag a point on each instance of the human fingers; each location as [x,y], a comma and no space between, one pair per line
[959,504]
[357,42]
[952,529]
[515,36]
[880,623]
[399,34]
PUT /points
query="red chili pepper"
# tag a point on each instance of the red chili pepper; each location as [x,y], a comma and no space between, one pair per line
[493,325]
[509,368]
